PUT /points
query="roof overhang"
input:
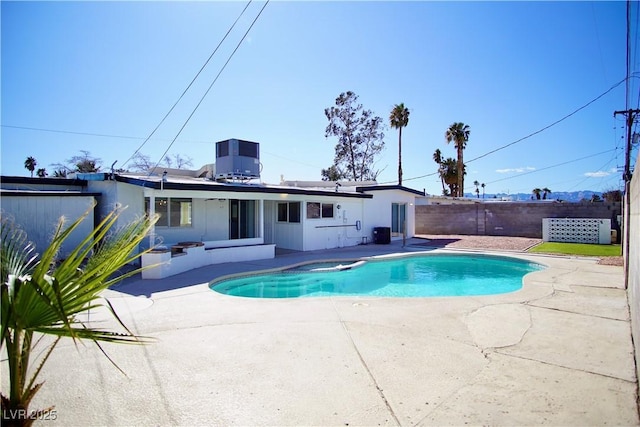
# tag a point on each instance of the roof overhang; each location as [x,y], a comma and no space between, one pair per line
[389,187]
[233,188]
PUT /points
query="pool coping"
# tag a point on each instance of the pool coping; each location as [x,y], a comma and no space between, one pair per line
[361,261]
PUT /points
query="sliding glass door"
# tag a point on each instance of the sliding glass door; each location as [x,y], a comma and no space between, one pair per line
[242,219]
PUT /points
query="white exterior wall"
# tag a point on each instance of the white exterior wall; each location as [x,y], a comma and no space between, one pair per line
[378,211]
[118,193]
[336,232]
[209,217]
[38,216]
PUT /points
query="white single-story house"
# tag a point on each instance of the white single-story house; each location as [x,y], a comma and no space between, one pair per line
[203,221]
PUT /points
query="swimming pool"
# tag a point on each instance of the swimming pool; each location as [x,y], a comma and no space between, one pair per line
[412,276]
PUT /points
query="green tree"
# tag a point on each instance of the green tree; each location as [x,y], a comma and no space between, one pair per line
[60,173]
[437,157]
[545,192]
[612,196]
[360,137]
[536,192]
[449,173]
[398,119]
[483,185]
[41,173]
[45,296]
[477,184]
[82,163]
[30,164]
[332,173]
[458,133]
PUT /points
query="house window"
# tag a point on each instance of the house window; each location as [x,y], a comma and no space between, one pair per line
[313,210]
[289,212]
[327,210]
[174,212]
[319,210]
[398,217]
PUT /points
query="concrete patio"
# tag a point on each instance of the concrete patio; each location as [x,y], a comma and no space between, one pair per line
[557,352]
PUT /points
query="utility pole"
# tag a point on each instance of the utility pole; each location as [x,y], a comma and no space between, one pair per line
[631,116]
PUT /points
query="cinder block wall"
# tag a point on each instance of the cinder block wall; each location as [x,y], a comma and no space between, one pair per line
[633,284]
[507,218]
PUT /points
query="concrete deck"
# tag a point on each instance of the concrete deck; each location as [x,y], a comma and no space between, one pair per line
[557,352]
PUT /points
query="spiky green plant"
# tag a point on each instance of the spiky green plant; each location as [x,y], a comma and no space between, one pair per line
[43,295]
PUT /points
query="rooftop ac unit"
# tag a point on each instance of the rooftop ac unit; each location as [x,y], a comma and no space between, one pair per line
[237,159]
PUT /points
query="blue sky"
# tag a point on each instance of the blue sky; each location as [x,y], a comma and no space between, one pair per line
[507,69]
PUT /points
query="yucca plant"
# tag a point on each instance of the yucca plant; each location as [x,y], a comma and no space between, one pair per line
[43,295]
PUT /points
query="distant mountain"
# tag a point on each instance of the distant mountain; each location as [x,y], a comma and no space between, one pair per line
[570,196]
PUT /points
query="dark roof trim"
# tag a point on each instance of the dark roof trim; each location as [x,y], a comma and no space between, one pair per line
[47,181]
[235,188]
[45,193]
[390,187]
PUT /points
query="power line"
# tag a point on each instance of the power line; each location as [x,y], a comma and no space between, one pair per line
[554,123]
[210,86]
[606,164]
[103,135]
[550,167]
[634,75]
[189,86]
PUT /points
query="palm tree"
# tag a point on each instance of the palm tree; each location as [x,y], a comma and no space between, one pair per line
[458,133]
[482,185]
[43,295]
[477,184]
[536,192]
[30,165]
[545,191]
[449,172]
[399,118]
[437,157]
[42,173]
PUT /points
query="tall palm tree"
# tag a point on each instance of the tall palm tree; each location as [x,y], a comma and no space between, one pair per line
[449,172]
[30,165]
[536,192]
[437,157]
[458,133]
[43,295]
[399,118]
[477,184]
[483,185]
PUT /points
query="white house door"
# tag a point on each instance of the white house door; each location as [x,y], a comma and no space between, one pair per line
[398,217]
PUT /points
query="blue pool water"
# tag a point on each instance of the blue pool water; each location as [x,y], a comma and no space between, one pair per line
[415,276]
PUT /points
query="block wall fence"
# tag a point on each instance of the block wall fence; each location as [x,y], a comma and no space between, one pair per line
[507,218]
[633,263]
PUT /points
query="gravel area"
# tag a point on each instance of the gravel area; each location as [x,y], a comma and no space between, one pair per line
[498,243]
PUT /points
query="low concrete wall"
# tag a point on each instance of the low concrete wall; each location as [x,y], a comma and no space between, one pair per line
[633,263]
[518,219]
[167,265]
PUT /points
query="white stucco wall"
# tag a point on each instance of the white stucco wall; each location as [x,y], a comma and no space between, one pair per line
[378,211]
[117,193]
[38,216]
[336,232]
